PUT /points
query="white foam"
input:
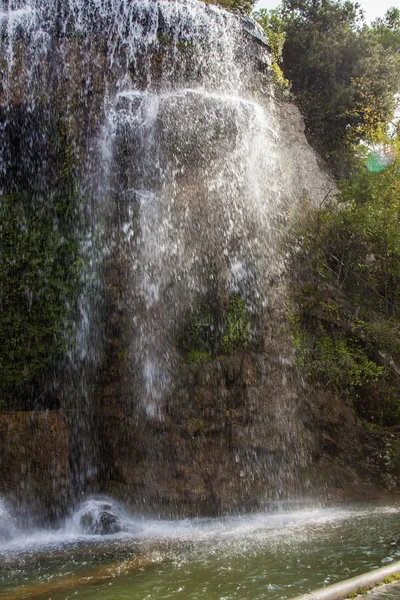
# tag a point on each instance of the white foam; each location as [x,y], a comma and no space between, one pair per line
[254,529]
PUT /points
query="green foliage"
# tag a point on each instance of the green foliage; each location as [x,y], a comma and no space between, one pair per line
[338,360]
[391,578]
[196,356]
[394,454]
[387,30]
[346,315]
[203,336]
[238,325]
[39,270]
[273,25]
[343,73]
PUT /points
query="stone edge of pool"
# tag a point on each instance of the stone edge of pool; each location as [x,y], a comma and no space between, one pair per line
[343,589]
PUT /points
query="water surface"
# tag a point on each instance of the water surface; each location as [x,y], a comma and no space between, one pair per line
[249,557]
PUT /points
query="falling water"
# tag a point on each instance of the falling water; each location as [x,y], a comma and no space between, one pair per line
[205,212]
[145,136]
[7,524]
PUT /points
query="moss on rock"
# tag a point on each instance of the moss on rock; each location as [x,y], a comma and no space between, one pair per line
[204,335]
[40,260]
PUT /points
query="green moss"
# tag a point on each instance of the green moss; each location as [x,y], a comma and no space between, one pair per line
[238,326]
[391,578]
[40,266]
[300,433]
[363,590]
[196,425]
[204,335]
[123,354]
[360,592]
[394,452]
[195,356]
[39,273]
[309,289]
[164,39]
[199,335]
[182,45]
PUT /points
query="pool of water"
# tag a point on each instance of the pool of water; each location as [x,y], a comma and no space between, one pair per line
[249,557]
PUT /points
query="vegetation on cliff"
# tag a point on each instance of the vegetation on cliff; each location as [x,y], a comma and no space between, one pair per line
[39,258]
[345,305]
[206,333]
[346,291]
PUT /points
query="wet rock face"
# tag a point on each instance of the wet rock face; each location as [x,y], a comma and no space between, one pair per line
[221,447]
[34,465]
[64,68]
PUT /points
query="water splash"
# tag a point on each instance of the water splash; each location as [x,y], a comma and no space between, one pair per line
[8,529]
[290,519]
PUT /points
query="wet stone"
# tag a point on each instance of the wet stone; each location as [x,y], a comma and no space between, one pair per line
[102,523]
[384,592]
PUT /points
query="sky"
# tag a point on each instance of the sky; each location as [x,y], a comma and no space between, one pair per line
[372,8]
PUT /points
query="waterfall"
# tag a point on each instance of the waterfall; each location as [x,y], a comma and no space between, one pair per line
[205,196]
[149,173]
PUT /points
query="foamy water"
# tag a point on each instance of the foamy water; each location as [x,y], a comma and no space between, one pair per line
[258,527]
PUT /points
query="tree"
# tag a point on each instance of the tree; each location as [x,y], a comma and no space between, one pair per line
[387,30]
[274,27]
[347,288]
[344,74]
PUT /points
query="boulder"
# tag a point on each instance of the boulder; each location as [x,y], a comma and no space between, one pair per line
[103,522]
